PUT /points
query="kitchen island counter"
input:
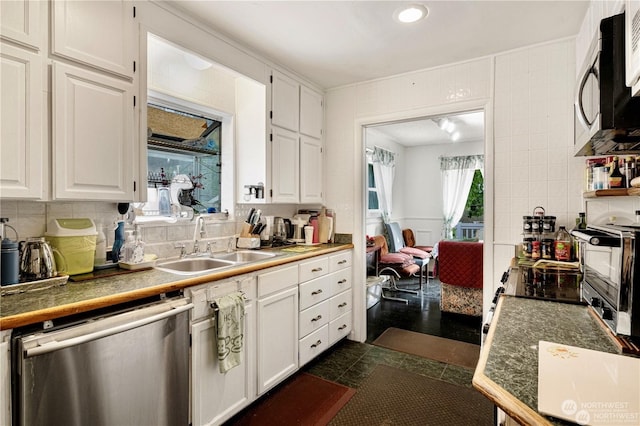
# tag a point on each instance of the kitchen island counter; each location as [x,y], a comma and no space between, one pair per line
[507,372]
[17,310]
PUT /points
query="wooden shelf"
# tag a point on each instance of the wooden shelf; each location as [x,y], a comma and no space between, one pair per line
[611,192]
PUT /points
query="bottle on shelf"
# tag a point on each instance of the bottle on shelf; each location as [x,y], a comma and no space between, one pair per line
[100,257]
[581,221]
[562,245]
[629,170]
[616,179]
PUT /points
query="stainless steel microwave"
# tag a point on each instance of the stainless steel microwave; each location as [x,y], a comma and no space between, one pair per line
[606,116]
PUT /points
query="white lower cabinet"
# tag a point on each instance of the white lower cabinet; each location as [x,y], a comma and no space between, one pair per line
[5,378]
[325,303]
[218,396]
[277,326]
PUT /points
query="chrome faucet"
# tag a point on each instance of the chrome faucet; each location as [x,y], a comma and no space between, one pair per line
[199,229]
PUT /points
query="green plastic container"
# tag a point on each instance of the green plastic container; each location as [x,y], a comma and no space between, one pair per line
[74,241]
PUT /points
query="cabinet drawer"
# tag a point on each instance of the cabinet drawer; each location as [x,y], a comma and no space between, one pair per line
[340,261]
[315,291]
[340,281]
[313,345]
[340,304]
[339,328]
[314,268]
[314,317]
[277,280]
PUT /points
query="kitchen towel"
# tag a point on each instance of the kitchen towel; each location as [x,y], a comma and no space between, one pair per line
[230,330]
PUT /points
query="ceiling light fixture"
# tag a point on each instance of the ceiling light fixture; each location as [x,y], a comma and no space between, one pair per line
[455,136]
[411,13]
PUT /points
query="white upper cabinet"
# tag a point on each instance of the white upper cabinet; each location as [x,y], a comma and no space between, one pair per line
[285,166]
[284,102]
[311,112]
[19,22]
[311,166]
[296,116]
[98,34]
[22,147]
[93,137]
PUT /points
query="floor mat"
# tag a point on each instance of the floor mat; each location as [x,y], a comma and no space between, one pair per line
[431,347]
[304,399]
[390,396]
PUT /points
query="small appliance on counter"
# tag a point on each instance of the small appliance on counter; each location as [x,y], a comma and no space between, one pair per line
[75,242]
[611,274]
[10,256]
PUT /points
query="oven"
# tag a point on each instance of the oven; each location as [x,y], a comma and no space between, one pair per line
[608,256]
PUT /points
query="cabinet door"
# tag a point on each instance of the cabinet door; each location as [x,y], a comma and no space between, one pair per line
[285,164]
[311,113]
[277,338]
[5,383]
[217,396]
[284,101]
[93,138]
[20,22]
[95,33]
[22,148]
[311,176]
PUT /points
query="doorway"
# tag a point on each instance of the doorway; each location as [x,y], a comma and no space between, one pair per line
[417,145]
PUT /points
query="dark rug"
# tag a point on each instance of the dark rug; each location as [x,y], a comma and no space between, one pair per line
[431,347]
[390,396]
[304,399]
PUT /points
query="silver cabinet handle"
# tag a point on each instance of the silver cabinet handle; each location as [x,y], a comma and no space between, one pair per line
[318,318]
[316,270]
[342,327]
[342,281]
[316,344]
[318,291]
[342,305]
[74,341]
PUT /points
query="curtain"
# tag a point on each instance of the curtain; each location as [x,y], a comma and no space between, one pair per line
[384,167]
[457,176]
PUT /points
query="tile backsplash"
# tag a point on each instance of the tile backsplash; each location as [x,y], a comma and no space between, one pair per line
[30,218]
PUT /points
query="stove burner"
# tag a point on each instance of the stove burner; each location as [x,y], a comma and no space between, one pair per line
[549,284]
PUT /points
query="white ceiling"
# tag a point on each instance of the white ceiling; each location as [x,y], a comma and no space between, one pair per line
[335,43]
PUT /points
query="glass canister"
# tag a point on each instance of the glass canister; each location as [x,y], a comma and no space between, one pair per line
[526,224]
[10,271]
[548,224]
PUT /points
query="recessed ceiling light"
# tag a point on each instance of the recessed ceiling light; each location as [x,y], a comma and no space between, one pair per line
[455,136]
[411,13]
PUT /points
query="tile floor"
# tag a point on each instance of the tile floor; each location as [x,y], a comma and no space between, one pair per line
[349,363]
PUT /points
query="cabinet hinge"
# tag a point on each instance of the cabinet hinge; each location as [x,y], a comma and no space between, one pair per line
[134,11]
[271,115]
[271,78]
[270,137]
[134,101]
[271,193]
[134,186]
[134,66]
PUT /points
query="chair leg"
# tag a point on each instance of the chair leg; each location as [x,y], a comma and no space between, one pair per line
[392,287]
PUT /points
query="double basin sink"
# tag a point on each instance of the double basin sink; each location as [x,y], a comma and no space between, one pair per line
[200,264]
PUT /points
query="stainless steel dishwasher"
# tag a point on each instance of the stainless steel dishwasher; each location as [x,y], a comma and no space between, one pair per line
[129,367]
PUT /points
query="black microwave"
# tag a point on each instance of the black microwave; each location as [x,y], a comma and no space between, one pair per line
[606,115]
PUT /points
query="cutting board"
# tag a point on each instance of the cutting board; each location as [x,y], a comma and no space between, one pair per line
[588,387]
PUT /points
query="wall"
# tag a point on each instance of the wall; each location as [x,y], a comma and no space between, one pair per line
[423,179]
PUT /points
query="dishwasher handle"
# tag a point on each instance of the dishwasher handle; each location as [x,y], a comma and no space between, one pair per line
[57,345]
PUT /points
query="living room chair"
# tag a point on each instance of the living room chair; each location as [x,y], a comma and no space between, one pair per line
[397,245]
[394,266]
[460,269]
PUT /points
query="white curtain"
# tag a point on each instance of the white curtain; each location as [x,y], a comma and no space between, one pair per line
[384,168]
[457,176]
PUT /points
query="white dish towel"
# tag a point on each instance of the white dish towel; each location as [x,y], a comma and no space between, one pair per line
[230,330]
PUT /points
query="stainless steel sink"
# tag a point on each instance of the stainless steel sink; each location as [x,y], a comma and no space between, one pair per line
[244,256]
[194,265]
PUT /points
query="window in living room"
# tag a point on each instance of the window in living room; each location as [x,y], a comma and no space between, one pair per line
[372,191]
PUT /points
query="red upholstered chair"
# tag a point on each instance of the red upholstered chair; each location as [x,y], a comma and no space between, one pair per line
[460,269]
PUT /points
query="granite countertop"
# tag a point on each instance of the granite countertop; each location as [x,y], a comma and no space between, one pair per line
[507,372]
[17,310]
